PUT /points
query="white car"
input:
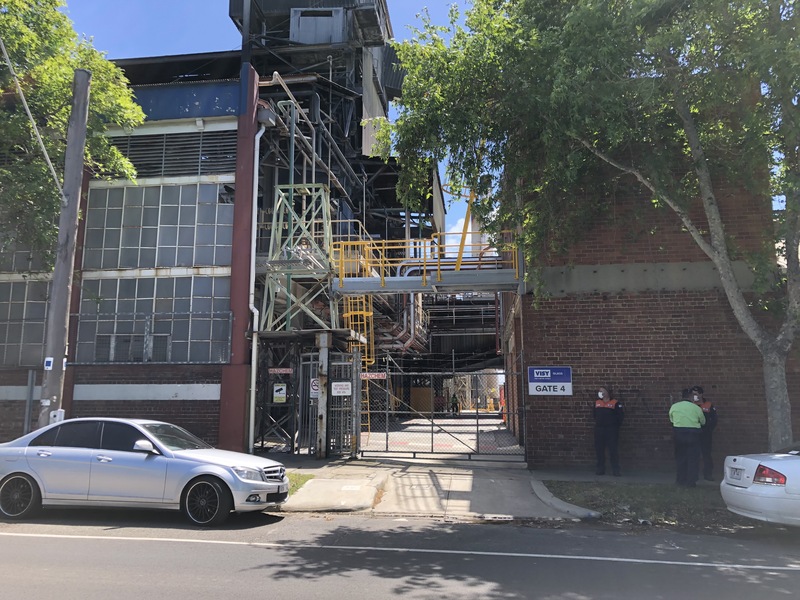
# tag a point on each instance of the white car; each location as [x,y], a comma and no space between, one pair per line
[134,463]
[764,486]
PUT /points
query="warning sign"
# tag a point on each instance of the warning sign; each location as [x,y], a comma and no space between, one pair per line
[279,393]
[314,388]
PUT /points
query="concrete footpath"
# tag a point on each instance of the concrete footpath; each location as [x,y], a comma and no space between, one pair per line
[446,489]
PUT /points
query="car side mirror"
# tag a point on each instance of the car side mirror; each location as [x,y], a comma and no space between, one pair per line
[144,446]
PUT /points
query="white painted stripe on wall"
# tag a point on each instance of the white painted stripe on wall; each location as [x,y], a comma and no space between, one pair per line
[18,392]
[136,391]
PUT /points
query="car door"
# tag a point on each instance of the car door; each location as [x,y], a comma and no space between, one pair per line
[121,474]
[60,458]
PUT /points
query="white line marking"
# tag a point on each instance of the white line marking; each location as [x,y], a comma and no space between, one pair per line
[640,561]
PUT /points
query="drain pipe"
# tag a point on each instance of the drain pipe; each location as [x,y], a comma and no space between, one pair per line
[252,295]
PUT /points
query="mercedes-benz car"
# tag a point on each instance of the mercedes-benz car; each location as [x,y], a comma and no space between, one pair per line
[134,463]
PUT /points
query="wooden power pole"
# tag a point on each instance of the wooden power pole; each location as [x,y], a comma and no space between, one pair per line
[61,287]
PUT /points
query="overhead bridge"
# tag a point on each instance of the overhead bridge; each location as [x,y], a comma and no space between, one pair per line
[424,266]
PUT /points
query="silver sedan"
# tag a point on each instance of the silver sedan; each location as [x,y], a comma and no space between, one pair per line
[105,462]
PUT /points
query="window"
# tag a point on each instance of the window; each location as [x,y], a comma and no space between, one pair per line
[83,434]
[120,436]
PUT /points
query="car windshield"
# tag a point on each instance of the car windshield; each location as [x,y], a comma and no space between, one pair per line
[174,437]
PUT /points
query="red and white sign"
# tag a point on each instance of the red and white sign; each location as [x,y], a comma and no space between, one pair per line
[373,375]
[280,371]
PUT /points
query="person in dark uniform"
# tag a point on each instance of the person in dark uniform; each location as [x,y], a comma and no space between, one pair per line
[710,412]
[608,417]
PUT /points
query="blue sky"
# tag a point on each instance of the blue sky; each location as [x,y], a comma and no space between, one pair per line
[132,28]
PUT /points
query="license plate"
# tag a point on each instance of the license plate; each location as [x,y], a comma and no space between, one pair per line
[736,473]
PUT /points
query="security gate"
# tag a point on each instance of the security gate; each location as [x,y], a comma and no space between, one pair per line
[461,415]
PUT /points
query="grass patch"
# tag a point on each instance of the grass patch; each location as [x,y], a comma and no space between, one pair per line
[657,504]
[297,480]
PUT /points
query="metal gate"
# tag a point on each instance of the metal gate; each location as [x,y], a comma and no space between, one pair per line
[460,415]
[288,404]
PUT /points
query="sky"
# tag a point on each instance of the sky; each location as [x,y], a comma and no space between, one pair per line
[135,28]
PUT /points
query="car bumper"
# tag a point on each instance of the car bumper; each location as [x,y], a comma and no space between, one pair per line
[762,502]
[254,496]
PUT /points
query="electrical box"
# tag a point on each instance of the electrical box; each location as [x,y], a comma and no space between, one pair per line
[57,416]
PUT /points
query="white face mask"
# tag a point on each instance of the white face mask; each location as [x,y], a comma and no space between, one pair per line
[696,397]
[600,395]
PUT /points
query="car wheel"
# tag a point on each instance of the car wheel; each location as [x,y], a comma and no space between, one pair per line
[19,496]
[206,501]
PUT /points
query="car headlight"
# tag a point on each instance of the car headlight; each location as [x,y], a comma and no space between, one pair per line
[248,474]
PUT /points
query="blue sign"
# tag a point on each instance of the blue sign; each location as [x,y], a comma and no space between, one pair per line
[550,381]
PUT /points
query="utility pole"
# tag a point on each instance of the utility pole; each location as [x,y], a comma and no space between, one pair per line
[61,286]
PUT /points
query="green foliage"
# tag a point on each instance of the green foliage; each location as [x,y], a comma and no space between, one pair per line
[547,108]
[45,51]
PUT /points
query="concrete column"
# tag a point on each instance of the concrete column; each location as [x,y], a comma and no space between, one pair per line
[324,344]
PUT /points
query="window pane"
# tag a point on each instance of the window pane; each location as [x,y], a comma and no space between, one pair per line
[79,435]
[119,436]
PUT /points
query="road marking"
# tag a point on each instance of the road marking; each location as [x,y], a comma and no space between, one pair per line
[612,559]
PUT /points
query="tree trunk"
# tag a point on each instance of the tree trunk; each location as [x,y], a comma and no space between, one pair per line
[779,409]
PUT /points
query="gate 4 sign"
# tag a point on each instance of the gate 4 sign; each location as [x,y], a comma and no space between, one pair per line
[550,381]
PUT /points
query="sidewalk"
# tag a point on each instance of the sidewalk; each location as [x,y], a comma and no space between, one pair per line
[451,490]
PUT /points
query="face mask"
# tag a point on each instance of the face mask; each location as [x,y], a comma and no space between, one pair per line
[600,395]
[696,397]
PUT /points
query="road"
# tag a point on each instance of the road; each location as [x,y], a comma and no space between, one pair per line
[133,555]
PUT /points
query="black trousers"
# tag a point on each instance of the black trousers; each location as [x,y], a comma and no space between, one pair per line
[606,438]
[705,450]
[687,455]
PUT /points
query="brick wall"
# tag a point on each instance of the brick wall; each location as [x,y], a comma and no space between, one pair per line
[647,346]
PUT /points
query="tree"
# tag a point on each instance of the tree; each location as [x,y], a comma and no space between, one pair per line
[45,51]
[539,99]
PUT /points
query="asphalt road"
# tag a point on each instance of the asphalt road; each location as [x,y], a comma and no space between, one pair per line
[134,555]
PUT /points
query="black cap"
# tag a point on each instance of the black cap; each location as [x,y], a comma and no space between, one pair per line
[698,389]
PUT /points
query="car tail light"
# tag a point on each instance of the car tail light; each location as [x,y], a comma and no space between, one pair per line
[770,476]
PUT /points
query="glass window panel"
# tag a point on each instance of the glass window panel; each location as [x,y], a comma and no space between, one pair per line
[170,194]
[166,257]
[90,287]
[16,311]
[105,327]
[221,305]
[189,194]
[225,214]
[169,215]
[147,258]
[31,354]
[180,351]
[119,436]
[145,287]
[114,217]
[33,333]
[204,255]
[5,291]
[186,236]
[125,307]
[162,326]
[168,236]
[97,198]
[219,351]
[201,329]
[149,237]
[182,305]
[183,287]
[124,326]
[163,305]
[6,261]
[35,310]
[112,239]
[150,217]
[18,291]
[145,305]
[37,291]
[188,215]
[203,286]
[222,287]
[115,196]
[207,213]
[180,329]
[110,259]
[92,259]
[107,306]
[14,332]
[165,287]
[132,216]
[222,256]
[94,238]
[224,235]
[87,330]
[185,257]
[88,306]
[85,352]
[205,235]
[208,193]
[202,305]
[130,237]
[96,217]
[127,288]
[200,352]
[134,196]
[152,195]
[129,258]
[219,331]
[108,288]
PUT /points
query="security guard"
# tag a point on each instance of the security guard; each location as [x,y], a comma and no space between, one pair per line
[687,418]
[608,416]
[710,412]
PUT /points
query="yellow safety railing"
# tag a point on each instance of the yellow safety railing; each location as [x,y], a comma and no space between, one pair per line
[355,256]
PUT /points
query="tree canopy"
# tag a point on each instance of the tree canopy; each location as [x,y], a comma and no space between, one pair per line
[542,105]
[45,51]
